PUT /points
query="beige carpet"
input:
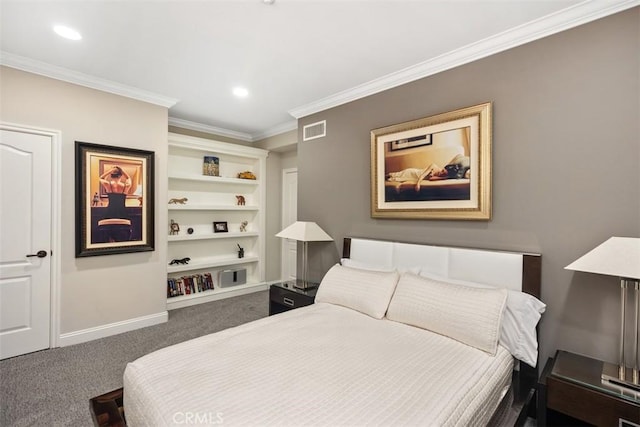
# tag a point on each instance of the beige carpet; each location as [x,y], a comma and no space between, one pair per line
[53,387]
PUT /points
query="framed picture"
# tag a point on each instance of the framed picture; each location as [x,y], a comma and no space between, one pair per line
[114,200]
[438,167]
[220,227]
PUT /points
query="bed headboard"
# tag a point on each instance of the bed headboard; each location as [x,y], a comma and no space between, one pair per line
[512,270]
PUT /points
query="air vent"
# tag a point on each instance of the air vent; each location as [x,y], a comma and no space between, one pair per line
[314,130]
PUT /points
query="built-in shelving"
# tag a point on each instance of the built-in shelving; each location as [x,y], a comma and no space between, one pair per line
[214,199]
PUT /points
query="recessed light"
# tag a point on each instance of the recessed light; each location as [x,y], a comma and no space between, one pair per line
[240,92]
[66,32]
[268,1]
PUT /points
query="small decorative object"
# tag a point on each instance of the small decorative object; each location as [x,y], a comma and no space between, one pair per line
[243,226]
[174,228]
[240,200]
[189,230]
[180,261]
[220,227]
[240,251]
[96,199]
[246,175]
[211,166]
[181,201]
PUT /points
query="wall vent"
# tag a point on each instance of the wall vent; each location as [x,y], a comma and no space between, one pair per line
[314,130]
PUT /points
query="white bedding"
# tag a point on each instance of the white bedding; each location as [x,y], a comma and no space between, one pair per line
[317,365]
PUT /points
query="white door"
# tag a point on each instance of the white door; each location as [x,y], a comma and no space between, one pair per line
[289,216]
[25,245]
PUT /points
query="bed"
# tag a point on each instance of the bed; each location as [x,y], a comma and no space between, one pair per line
[379,347]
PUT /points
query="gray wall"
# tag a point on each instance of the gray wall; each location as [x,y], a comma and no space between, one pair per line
[566,150]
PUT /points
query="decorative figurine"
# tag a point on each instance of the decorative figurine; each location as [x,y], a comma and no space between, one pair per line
[96,200]
[189,230]
[240,200]
[243,226]
[181,201]
[240,251]
[180,261]
[246,175]
[174,228]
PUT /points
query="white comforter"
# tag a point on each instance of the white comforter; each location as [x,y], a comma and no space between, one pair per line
[319,365]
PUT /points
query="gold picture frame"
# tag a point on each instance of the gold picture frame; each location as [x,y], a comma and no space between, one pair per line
[447,178]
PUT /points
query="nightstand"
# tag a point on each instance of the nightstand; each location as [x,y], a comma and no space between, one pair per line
[571,390]
[284,296]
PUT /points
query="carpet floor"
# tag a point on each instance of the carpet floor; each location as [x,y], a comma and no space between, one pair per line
[53,387]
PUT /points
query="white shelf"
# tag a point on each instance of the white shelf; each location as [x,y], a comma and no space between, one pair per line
[187,237]
[214,295]
[212,196]
[213,179]
[188,207]
[204,263]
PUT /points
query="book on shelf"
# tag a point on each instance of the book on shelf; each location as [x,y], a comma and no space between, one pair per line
[190,284]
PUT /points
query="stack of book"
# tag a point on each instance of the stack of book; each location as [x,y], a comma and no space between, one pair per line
[186,285]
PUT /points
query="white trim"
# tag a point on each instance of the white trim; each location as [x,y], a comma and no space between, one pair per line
[194,143]
[104,331]
[186,124]
[56,222]
[276,130]
[59,73]
[565,19]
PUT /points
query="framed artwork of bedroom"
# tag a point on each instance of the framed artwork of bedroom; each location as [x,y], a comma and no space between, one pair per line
[438,167]
[114,200]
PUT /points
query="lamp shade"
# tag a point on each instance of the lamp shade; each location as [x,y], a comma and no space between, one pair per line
[304,231]
[618,256]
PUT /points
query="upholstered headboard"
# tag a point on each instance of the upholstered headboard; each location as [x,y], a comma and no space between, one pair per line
[511,270]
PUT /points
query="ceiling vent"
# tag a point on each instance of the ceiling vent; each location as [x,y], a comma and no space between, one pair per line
[314,130]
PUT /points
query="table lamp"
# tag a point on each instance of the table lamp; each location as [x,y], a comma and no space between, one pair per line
[305,232]
[618,256]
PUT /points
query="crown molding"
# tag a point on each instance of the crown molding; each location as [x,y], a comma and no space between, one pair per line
[59,73]
[187,124]
[276,130]
[565,19]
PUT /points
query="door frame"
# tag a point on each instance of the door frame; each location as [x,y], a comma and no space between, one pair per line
[56,220]
[283,244]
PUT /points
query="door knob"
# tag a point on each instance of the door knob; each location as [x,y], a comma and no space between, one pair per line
[40,254]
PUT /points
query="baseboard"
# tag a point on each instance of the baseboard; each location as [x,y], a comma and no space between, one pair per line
[104,331]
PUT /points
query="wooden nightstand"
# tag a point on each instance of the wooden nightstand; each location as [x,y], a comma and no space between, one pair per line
[284,296]
[570,390]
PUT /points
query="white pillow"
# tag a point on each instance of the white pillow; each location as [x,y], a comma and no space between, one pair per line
[469,315]
[518,330]
[366,291]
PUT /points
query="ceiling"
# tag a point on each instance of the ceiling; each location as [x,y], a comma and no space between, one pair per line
[294,56]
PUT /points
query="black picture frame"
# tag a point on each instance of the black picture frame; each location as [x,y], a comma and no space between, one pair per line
[114,196]
[220,227]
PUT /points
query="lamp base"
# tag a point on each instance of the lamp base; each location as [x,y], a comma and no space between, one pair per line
[624,378]
[304,285]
